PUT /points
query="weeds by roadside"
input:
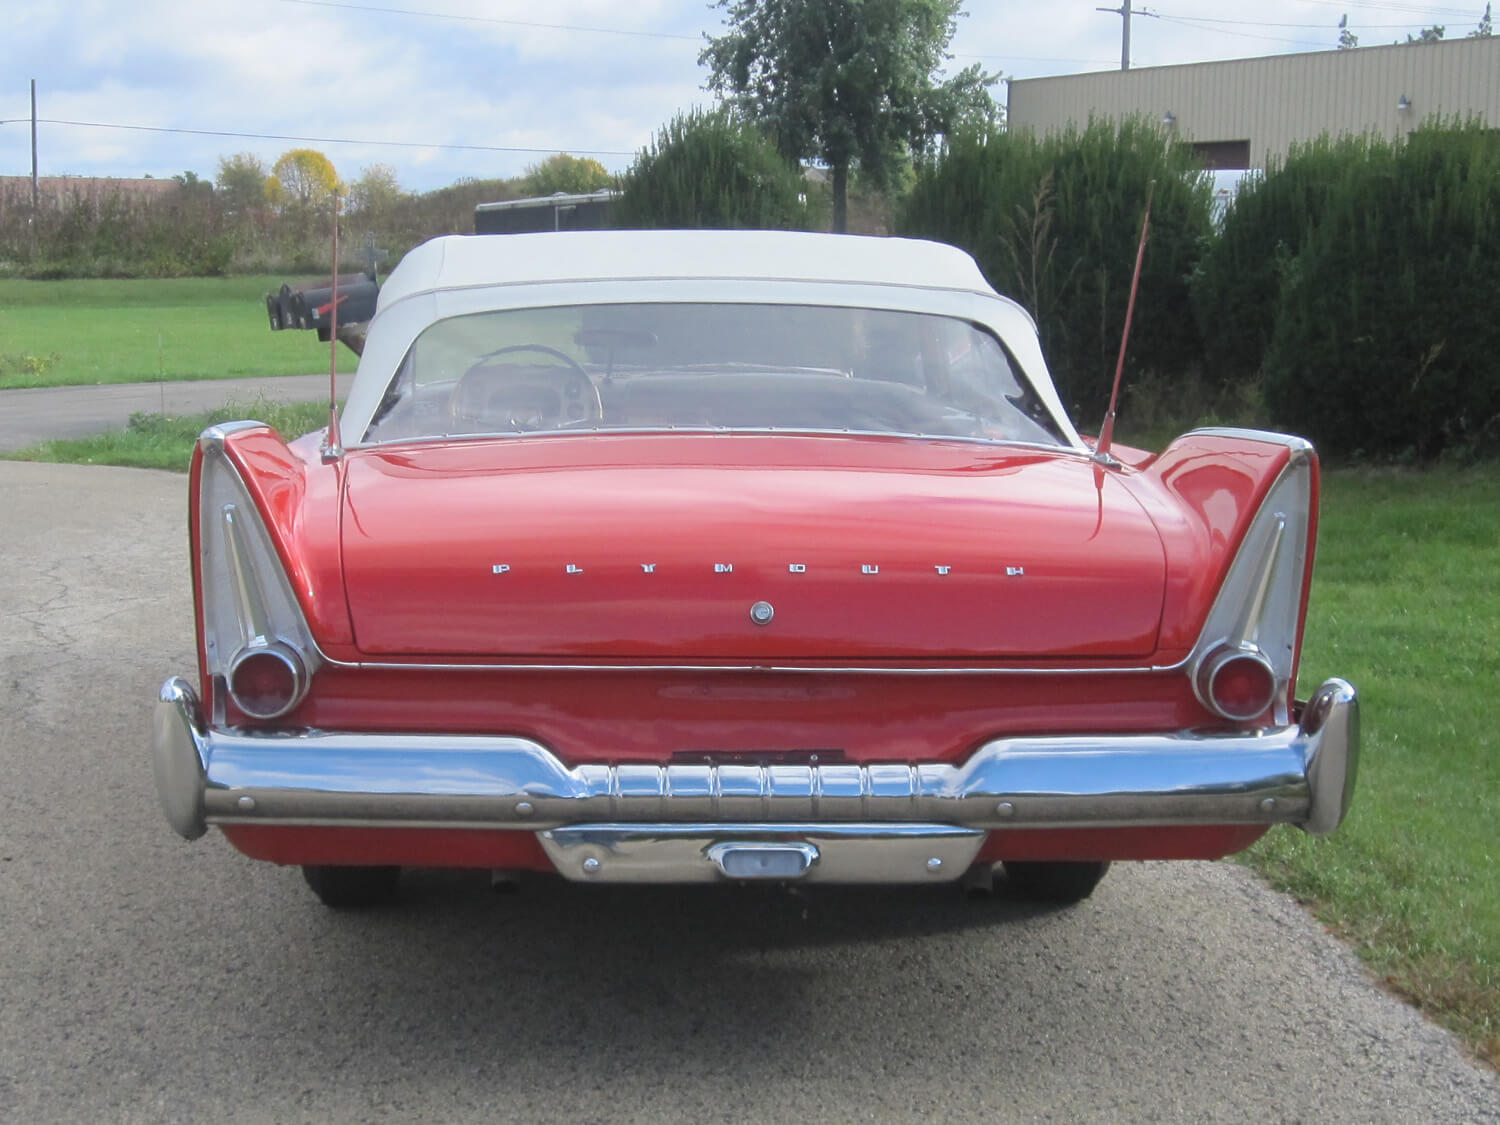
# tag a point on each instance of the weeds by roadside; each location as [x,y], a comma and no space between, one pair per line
[28,364]
[165,441]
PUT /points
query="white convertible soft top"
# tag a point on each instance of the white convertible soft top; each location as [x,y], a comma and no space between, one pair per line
[463,274]
[462,262]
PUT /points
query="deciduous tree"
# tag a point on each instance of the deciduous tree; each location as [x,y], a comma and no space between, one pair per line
[1431,34]
[302,179]
[846,82]
[241,182]
[373,196]
[711,170]
[571,175]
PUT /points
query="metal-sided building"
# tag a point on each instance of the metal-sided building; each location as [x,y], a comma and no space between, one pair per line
[1245,112]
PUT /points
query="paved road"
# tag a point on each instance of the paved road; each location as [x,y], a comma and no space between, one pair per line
[35,414]
[147,979]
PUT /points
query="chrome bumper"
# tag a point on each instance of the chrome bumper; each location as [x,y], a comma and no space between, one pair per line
[1301,774]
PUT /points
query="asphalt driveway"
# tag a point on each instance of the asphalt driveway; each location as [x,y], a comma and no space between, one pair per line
[143,978]
[34,414]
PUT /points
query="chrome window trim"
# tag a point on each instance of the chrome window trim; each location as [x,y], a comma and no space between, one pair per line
[714,431]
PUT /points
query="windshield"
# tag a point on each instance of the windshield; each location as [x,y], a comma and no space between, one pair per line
[710,367]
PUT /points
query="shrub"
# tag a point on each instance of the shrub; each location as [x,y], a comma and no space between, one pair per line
[1385,341]
[711,170]
[1237,287]
[1054,222]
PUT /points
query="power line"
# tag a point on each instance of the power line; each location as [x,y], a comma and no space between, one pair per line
[1422,11]
[1226,31]
[1261,23]
[422,14]
[1024,58]
[492,19]
[316,140]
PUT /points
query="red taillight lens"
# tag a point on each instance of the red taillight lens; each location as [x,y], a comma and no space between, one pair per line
[1239,685]
[268,682]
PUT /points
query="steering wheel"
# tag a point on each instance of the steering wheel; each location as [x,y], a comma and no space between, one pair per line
[486,392]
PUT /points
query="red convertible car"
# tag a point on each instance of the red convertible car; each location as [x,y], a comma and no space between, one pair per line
[691,556]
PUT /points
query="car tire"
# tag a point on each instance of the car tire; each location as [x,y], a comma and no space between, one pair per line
[1071,881]
[352,887]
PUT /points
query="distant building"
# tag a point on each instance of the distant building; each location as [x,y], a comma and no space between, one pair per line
[58,189]
[1244,112]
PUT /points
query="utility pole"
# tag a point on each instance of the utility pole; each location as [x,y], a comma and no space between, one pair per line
[1123,11]
[33,148]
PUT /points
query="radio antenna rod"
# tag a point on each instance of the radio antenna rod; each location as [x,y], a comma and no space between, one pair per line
[333,447]
[1107,431]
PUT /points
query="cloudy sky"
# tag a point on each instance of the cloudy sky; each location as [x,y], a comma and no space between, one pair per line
[455,88]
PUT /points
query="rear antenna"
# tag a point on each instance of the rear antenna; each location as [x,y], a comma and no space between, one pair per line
[333,446]
[1107,431]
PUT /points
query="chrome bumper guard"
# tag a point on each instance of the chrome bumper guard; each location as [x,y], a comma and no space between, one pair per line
[836,814]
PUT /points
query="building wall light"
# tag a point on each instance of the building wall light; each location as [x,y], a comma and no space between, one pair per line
[1403,103]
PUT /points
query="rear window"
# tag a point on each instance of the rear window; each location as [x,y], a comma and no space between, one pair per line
[686,366]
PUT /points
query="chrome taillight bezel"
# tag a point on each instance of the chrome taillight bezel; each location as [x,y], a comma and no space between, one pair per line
[296,670]
[247,604]
[1212,666]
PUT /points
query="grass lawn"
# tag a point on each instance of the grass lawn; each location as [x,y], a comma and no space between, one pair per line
[135,331]
[1406,605]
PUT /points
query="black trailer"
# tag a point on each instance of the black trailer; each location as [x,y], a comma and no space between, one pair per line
[589,211]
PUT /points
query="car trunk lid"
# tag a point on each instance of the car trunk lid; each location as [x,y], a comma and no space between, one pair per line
[741,547]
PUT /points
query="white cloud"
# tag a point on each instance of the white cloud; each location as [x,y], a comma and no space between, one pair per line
[320,71]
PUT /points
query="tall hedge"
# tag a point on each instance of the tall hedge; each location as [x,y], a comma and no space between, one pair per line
[1386,340]
[1054,223]
[1237,288]
[711,169]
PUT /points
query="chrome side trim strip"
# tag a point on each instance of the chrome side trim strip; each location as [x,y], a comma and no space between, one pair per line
[810,853]
[1302,774]
[797,669]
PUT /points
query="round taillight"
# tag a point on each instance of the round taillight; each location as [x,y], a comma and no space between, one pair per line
[1237,683]
[266,683]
